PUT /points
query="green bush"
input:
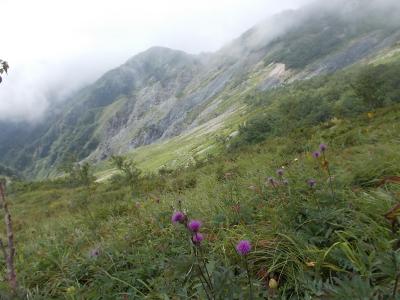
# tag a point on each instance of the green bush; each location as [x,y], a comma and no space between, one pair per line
[305,104]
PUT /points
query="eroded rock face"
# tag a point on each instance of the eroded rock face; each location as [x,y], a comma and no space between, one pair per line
[189,95]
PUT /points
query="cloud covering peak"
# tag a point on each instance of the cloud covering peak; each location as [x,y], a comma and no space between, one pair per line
[55,47]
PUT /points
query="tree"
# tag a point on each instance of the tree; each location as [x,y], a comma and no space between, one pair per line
[369,86]
[77,173]
[3,68]
[128,168]
[85,174]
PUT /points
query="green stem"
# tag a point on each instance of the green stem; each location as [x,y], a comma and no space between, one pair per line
[395,286]
[89,213]
[204,288]
[398,275]
[205,280]
[330,177]
[205,268]
[248,277]
[202,274]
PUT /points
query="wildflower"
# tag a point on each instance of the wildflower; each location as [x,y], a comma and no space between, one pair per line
[94,253]
[280,172]
[194,225]
[312,182]
[316,154]
[178,217]
[197,238]
[285,182]
[243,247]
[272,182]
[323,147]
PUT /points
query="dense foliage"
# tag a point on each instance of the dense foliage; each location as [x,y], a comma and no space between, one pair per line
[293,108]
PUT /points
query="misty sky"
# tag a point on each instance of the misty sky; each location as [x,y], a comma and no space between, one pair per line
[56,46]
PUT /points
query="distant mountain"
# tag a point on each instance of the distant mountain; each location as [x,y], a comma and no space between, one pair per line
[161,93]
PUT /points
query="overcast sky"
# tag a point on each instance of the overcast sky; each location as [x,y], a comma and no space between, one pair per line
[59,45]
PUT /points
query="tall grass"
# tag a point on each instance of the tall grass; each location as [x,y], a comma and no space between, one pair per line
[305,243]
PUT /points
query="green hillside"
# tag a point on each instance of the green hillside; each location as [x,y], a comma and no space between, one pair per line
[358,89]
[319,227]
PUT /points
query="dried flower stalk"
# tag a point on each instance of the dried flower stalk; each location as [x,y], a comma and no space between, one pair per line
[10,254]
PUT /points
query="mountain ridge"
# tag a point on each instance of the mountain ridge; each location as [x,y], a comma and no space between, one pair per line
[161,93]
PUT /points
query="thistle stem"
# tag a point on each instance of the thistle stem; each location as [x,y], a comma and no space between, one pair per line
[395,286]
[330,177]
[204,288]
[248,277]
[205,268]
[202,276]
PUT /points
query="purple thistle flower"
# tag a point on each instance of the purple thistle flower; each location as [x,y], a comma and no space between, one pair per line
[197,238]
[316,154]
[94,253]
[323,147]
[243,247]
[280,172]
[194,225]
[178,217]
[272,182]
[312,183]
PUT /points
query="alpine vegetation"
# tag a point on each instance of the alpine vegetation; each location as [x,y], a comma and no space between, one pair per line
[268,169]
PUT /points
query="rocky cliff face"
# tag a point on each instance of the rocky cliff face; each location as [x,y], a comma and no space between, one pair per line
[161,92]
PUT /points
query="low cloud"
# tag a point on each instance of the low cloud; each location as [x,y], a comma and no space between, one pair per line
[56,47]
[28,90]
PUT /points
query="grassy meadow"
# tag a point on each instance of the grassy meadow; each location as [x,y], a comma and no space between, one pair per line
[318,224]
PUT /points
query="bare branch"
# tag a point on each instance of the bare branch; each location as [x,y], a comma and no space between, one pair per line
[3,249]
[11,274]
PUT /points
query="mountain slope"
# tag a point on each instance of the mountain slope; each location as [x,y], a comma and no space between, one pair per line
[75,241]
[162,93]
